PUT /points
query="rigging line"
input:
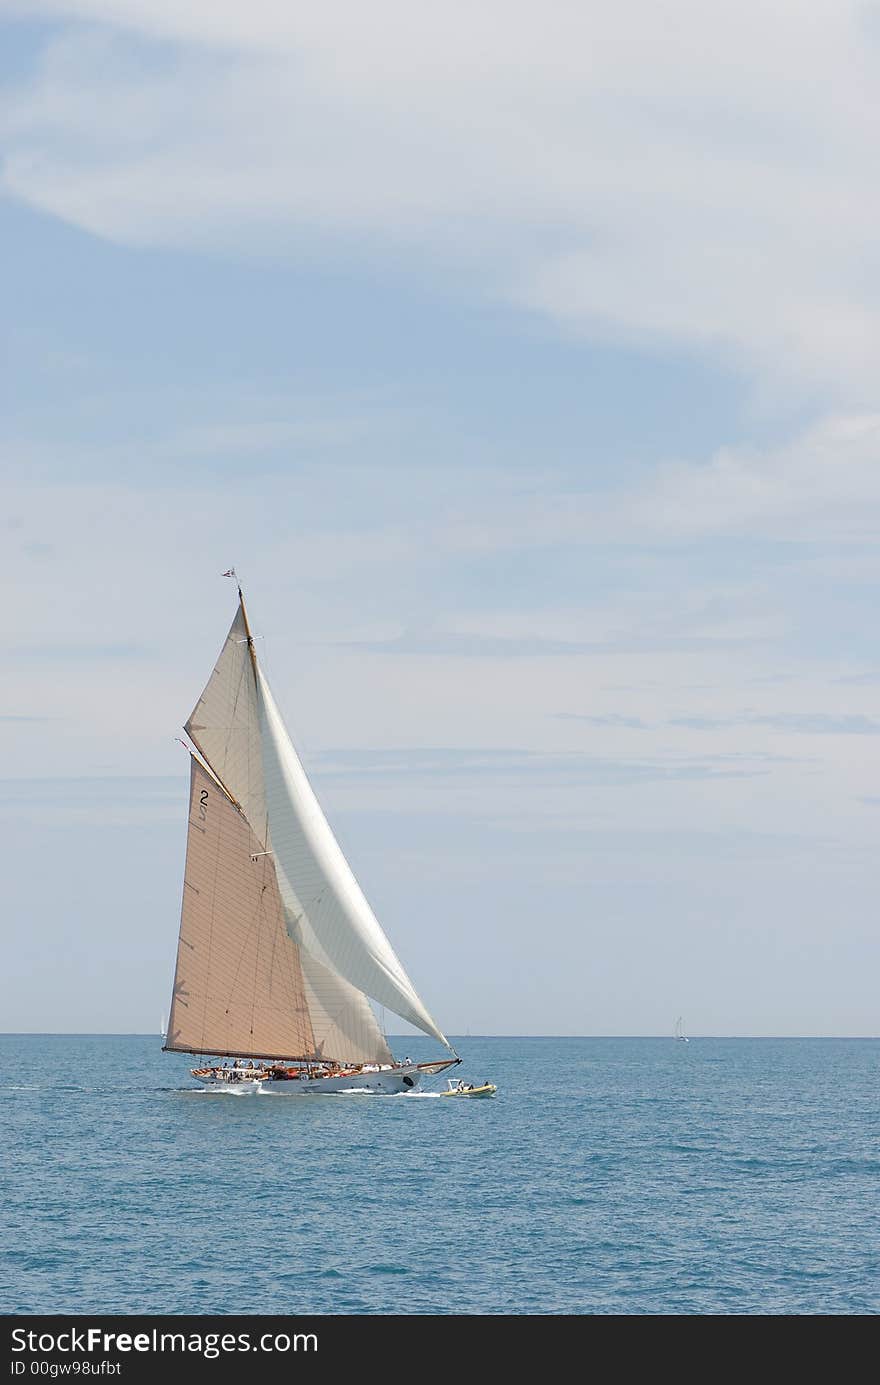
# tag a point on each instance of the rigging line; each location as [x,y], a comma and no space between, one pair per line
[289,999]
[291,979]
[337,1014]
[252,770]
[218,835]
[247,631]
[298,1002]
[253,707]
[261,916]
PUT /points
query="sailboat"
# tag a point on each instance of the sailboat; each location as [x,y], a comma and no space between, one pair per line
[279,954]
[679,1033]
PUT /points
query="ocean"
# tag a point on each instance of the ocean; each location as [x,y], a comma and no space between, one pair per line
[609,1176]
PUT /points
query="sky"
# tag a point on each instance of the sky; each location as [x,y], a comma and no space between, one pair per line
[523,360]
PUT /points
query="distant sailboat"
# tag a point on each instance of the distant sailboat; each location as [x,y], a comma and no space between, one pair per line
[680,1035]
[279,954]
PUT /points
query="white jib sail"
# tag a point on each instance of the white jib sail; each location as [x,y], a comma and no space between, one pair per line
[327,911]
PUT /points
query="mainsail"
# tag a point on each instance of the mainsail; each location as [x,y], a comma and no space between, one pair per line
[279,950]
[238,985]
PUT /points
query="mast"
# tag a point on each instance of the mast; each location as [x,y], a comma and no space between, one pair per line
[247,630]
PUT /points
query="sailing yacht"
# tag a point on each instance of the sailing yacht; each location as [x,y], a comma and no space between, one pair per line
[279,952]
[679,1033]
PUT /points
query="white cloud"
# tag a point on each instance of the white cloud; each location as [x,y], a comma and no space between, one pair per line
[680,173]
[821,486]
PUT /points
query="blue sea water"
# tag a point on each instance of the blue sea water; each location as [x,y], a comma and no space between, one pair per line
[626,1176]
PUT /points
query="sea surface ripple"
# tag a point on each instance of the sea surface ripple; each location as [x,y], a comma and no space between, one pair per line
[625,1176]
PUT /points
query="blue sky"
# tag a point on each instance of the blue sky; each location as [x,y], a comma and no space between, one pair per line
[526,371]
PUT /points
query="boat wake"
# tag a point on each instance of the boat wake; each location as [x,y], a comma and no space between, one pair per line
[263,1090]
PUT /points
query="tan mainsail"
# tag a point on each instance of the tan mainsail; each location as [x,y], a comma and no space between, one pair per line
[238,988]
[242,987]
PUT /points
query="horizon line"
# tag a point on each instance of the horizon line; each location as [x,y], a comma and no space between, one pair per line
[151,1034]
